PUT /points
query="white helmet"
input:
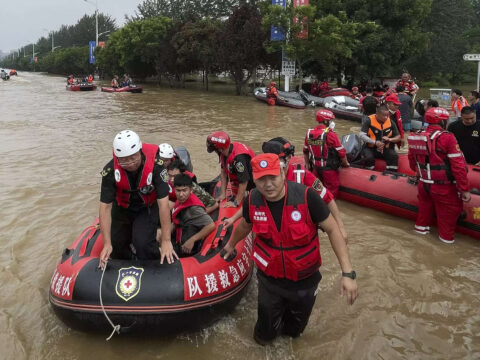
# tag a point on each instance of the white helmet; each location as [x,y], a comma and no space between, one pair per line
[126,143]
[166,151]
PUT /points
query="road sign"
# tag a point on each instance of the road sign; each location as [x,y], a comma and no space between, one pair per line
[288,68]
[471,57]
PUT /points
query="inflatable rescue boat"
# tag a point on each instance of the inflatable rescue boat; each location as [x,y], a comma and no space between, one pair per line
[131,89]
[146,296]
[81,87]
[293,102]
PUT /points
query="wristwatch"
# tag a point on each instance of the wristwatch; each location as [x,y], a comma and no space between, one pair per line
[235,202]
[352,275]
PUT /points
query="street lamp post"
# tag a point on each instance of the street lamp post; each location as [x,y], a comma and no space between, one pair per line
[96,19]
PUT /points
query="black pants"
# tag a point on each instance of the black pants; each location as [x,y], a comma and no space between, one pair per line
[282,310]
[138,228]
[389,154]
[187,233]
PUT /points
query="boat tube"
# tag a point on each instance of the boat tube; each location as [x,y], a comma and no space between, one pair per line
[261,94]
[344,107]
[81,87]
[146,296]
[131,89]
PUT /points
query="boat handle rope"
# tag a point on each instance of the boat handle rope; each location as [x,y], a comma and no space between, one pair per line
[116,328]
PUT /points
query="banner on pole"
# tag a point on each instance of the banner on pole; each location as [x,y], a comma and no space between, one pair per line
[277,33]
[303,34]
[91,52]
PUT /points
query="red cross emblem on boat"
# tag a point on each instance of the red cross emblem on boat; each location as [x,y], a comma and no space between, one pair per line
[129,282]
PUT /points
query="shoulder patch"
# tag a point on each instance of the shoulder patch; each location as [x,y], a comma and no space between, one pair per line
[160,162]
[164,175]
[239,166]
[106,171]
[317,185]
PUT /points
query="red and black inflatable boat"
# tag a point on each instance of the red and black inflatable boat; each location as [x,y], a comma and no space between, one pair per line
[146,296]
[396,194]
[131,89]
[82,87]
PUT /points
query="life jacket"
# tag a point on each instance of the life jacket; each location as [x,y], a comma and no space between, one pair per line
[458,105]
[171,190]
[324,157]
[90,79]
[272,92]
[432,168]
[293,252]
[192,200]
[144,187]
[70,81]
[377,131]
[238,149]
[297,173]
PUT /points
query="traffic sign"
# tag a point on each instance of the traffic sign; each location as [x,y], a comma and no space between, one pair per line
[471,57]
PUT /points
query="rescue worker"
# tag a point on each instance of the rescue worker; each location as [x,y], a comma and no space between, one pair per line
[458,103]
[114,82]
[90,79]
[70,80]
[178,167]
[133,199]
[296,172]
[272,94]
[235,166]
[407,82]
[379,133]
[284,217]
[435,155]
[167,154]
[323,151]
[192,223]
[324,86]
[355,93]
[393,103]
[315,88]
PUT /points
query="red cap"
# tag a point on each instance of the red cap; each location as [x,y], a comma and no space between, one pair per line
[393,98]
[265,164]
[354,88]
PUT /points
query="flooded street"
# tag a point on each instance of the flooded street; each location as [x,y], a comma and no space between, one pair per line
[419,298]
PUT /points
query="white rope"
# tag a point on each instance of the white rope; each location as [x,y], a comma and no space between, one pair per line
[116,328]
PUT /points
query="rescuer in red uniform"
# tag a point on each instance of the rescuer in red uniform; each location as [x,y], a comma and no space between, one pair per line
[284,216]
[133,200]
[235,166]
[435,155]
[323,151]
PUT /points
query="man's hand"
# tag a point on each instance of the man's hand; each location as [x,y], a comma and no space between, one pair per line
[345,163]
[167,252]
[221,198]
[228,222]
[104,255]
[349,288]
[229,204]
[466,196]
[380,145]
[188,246]
[228,251]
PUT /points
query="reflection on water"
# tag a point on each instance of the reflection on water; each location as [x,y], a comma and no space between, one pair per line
[418,297]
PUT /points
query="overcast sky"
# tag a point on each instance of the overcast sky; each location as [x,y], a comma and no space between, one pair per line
[24,21]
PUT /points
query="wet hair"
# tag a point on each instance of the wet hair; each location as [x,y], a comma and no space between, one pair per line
[400,88]
[382,107]
[182,180]
[177,164]
[432,103]
[457,91]
[467,110]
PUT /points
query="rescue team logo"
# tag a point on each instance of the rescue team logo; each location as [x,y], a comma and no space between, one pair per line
[149,179]
[160,162]
[260,216]
[239,166]
[296,216]
[263,164]
[105,172]
[129,282]
[476,213]
[317,185]
[475,133]
[117,175]
[164,175]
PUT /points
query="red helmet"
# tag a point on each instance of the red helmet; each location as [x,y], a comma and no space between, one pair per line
[272,83]
[436,115]
[354,88]
[323,115]
[217,140]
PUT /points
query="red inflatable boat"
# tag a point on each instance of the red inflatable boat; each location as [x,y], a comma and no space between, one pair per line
[131,89]
[396,194]
[335,92]
[146,296]
[81,87]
